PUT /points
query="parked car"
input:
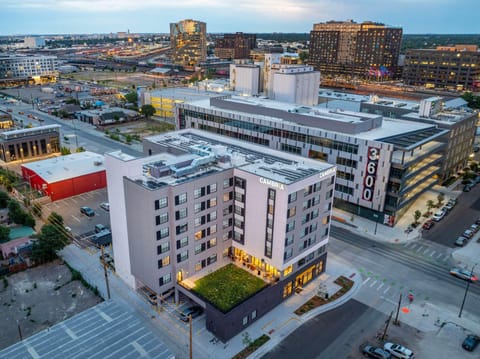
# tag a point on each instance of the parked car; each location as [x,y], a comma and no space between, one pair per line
[105,206]
[468,233]
[467,188]
[398,351]
[87,211]
[477,221]
[374,352]
[445,210]
[437,217]
[461,241]
[428,224]
[194,311]
[471,342]
[464,274]
[99,227]
[474,228]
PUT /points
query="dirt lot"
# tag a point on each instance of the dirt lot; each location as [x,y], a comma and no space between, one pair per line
[38,298]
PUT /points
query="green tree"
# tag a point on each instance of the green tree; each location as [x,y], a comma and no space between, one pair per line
[416,216]
[4,234]
[15,212]
[50,240]
[131,97]
[29,221]
[430,205]
[55,219]
[148,110]
[440,199]
[4,198]
[303,56]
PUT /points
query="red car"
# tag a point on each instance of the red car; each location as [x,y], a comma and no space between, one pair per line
[428,224]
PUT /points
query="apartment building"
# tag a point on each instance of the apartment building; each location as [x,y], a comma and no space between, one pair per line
[456,67]
[235,46]
[26,67]
[350,49]
[198,201]
[188,39]
[383,165]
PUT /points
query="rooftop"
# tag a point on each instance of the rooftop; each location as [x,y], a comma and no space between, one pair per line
[201,153]
[65,167]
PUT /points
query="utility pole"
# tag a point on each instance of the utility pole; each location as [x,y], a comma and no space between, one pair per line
[466,291]
[190,324]
[19,330]
[106,273]
[386,325]
[396,322]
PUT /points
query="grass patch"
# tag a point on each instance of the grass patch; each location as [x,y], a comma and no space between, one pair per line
[228,286]
[257,343]
[345,283]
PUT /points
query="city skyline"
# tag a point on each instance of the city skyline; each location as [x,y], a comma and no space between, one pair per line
[154,16]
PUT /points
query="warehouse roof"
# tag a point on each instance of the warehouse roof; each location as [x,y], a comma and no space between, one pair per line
[64,167]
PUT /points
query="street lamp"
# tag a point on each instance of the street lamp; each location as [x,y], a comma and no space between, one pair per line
[376,223]
[466,291]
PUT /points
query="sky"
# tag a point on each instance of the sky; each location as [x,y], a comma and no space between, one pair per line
[19,17]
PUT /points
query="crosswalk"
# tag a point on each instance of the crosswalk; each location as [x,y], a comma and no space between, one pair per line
[388,290]
[427,251]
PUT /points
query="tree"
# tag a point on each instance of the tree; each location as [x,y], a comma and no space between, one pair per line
[4,198]
[131,97]
[430,205]
[15,212]
[148,110]
[440,199]
[49,241]
[303,56]
[4,234]
[55,219]
[416,216]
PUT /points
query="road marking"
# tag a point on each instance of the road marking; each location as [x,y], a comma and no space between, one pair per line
[386,290]
[431,254]
[373,283]
[413,246]
[380,286]
[77,219]
[419,249]
[426,250]
[73,200]
[366,280]
[439,255]
[139,349]
[407,244]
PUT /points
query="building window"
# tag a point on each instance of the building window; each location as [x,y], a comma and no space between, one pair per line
[290,226]
[240,182]
[182,242]
[228,182]
[227,196]
[198,207]
[181,257]
[161,219]
[288,241]
[180,214]
[254,314]
[162,233]
[292,197]
[167,278]
[162,248]
[212,202]
[163,262]
[212,188]
[291,212]
[197,193]
[161,203]
[288,253]
[245,320]
[181,229]
[180,199]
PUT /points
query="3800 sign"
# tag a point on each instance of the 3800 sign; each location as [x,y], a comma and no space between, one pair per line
[370,173]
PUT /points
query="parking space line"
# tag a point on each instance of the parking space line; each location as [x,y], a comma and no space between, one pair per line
[413,246]
[426,250]
[419,249]
[386,290]
[380,286]
[76,218]
[73,200]
[407,244]
[439,255]
[373,283]
[366,280]
[432,253]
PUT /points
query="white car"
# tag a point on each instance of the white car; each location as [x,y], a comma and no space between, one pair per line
[438,216]
[398,351]
[105,206]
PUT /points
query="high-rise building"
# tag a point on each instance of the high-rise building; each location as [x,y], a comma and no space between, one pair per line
[199,202]
[235,46]
[366,50]
[456,67]
[188,40]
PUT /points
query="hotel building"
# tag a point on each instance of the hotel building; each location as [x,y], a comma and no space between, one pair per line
[199,201]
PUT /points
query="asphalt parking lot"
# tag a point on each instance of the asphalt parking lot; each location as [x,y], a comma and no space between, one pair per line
[69,209]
